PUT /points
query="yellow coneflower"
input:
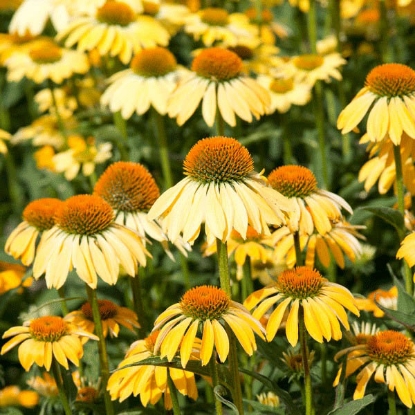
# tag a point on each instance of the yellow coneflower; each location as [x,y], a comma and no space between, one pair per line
[13,396]
[390,357]
[406,250]
[386,298]
[38,217]
[11,277]
[210,309]
[389,98]
[150,382]
[149,82]
[322,303]
[45,338]
[217,80]
[112,317]
[86,238]
[221,190]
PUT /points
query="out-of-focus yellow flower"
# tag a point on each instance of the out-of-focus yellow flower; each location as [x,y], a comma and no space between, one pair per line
[4,135]
[11,277]
[388,98]
[44,385]
[65,103]
[14,396]
[269,399]
[386,298]
[323,305]
[44,158]
[45,338]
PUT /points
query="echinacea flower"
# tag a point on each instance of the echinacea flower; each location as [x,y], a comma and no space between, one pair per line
[38,217]
[221,190]
[269,399]
[115,30]
[148,381]
[210,309]
[386,298]
[149,82]
[217,80]
[45,338]
[388,98]
[389,356]
[46,61]
[44,385]
[316,208]
[86,238]
[322,303]
[406,250]
[112,317]
[131,191]
[13,396]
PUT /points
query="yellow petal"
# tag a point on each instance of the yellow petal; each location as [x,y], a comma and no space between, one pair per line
[221,340]
[291,328]
[207,342]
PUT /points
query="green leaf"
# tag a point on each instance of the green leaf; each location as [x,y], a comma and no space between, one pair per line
[219,392]
[406,303]
[406,319]
[353,407]
[389,215]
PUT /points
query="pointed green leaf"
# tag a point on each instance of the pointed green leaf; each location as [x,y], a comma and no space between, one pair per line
[353,407]
[389,215]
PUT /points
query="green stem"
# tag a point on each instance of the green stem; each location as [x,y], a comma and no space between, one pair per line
[215,381]
[386,50]
[220,123]
[56,370]
[222,250]
[135,285]
[234,372]
[173,394]
[15,192]
[247,285]
[59,119]
[392,402]
[64,306]
[306,368]
[297,247]
[312,27]
[102,349]
[319,118]
[159,126]
[121,126]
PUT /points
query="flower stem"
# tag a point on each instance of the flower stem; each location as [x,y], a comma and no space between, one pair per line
[386,50]
[215,382]
[135,284]
[306,367]
[297,247]
[173,394]
[121,126]
[312,27]
[56,370]
[64,306]
[220,124]
[222,250]
[247,286]
[160,129]
[392,402]
[59,119]
[102,349]
[234,372]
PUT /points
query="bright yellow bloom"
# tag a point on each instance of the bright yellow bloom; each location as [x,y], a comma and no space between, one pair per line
[386,298]
[86,238]
[381,165]
[131,191]
[269,399]
[406,250]
[14,396]
[44,158]
[323,304]
[317,209]
[11,277]
[81,153]
[221,190]
[112,316]
[217,80]
[46,61]
[285,92]
[210,309]
[38,217]
[45,338]
[214,24]
[150,382]
[149,82]
[389,98]
[390,357]
[115,30]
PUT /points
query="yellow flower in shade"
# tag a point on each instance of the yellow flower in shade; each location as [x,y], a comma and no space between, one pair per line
[389,356]
[323,304]
[150,382]
[285,92]
[86,238]
[311,68]
[386,298]
[44,385]
[65,102]
[210,309]
[4,135]
[14,396]
[38,216]
[149,82]
[316,208]
[112,316]
[12,276]
[215,24]
[217,79]
[131,191]
[381,165]
[82,152]
[221,190]
[46,61]
[388,97]
[269,399]
[406,250]
[45,338]
[115,30]
[44,158]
